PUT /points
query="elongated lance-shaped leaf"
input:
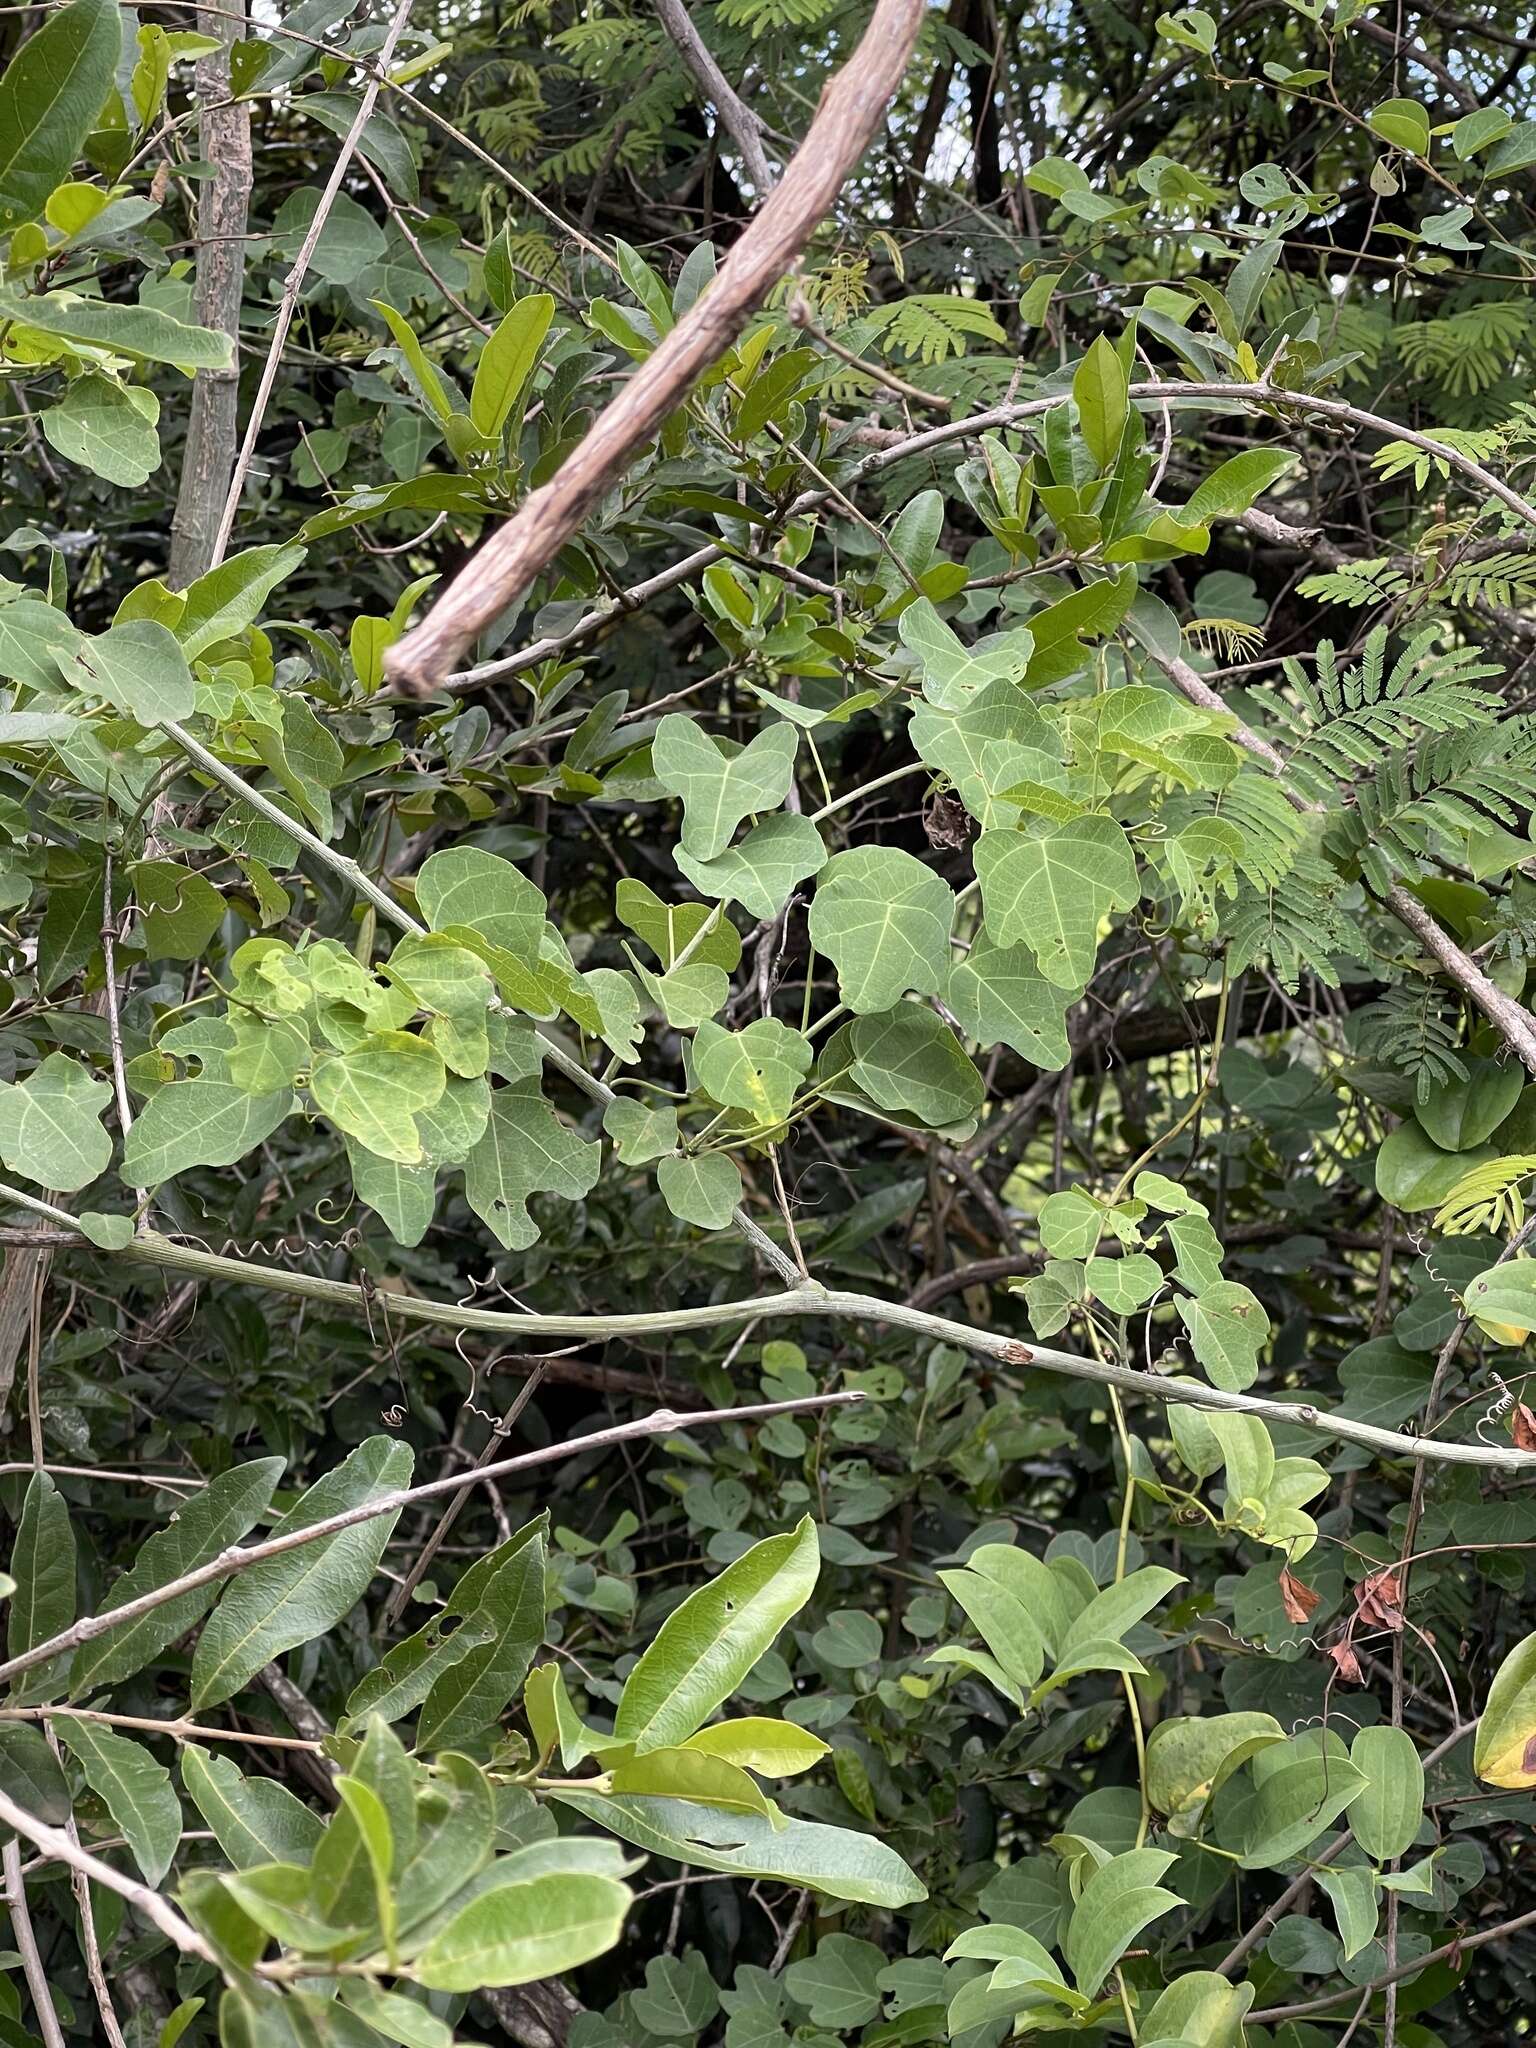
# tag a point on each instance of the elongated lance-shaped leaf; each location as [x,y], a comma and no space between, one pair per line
[50,96]
[705,1649]
[208,1523]
[254,1820]
[43,1566]
[135,1789]
[297,1596]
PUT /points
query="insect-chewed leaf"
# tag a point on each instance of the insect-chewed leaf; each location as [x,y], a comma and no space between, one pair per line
[709,1644]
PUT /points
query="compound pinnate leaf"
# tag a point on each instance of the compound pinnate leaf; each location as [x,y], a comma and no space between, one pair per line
[1052,891]
[883,920]
[50,1125]
[708,1645]
[294,1597]
[719,789]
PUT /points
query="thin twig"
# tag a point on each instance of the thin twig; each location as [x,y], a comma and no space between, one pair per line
[296,276]
[806,1298]
[394,1606]
[26,1941]
[57,1844]
[79,1884]
[502,571]
[1448,1951]
[240,1557]
[736,116]
[178,1730]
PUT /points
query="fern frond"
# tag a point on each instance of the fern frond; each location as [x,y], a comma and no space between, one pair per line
[1441,792]
[1398,456]
[1507,578]
[840,292]
[760,16]
[1298,926]
[1466,352]
[1271,829]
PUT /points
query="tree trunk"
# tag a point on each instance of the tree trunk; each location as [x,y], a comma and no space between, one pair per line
[224,138]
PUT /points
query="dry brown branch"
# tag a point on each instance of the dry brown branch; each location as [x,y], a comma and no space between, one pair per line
[743,126]
[850,111]
[240,1557]
[26,1944]
[213,426]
